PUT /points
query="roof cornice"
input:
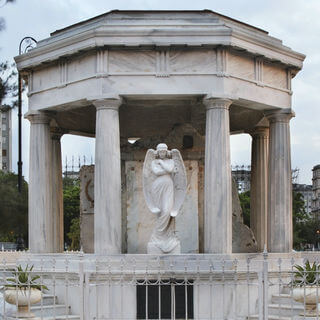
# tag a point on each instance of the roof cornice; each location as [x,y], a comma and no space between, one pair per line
[100,32]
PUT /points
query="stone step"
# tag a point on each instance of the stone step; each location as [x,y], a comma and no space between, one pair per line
[285,310]
[284,298]
[270,317]
[47,299]
[50,310]
[286,290]
[62,317]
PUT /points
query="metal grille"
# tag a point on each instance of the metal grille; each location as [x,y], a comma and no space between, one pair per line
[165,299]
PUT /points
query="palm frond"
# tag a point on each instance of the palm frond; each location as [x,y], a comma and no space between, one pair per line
[306,274]
[23,279]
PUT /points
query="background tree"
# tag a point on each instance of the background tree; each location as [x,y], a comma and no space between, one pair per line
[304,226]
[299,218]
[13,208]
[8,75]
[74,234]
[71,207]
[244,198]
[2,4]
[8,85]
[2,21]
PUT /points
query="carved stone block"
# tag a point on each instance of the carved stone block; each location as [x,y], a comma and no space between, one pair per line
[87,208]
[124,61]
[140,220]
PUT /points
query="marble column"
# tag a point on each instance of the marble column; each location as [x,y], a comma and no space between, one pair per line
[218,187]
[40,185]
[259,185]
[57,191]
[279,183]
[107,178]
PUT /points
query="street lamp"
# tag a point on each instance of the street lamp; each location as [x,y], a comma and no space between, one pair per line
[318,235]
[25,45]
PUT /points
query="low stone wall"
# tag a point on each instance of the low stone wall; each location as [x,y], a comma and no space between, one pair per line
[10,258]
[222,285]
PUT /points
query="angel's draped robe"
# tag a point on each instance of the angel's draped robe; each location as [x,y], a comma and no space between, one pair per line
[162,192]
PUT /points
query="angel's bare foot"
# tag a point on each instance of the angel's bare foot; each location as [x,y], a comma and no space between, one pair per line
[173,213]
[155,210]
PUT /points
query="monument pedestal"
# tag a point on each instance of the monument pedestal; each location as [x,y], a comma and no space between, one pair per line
[153,249]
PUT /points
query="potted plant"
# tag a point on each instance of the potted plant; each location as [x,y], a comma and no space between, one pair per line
[23,290]
[306,286]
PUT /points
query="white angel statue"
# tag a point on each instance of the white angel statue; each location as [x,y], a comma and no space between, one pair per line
[164,188]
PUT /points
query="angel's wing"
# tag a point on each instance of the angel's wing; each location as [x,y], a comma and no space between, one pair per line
[179,180]
[147,180]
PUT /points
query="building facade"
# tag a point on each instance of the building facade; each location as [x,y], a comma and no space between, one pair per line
[316,191]
[306,191]
[6,140]
[242,177]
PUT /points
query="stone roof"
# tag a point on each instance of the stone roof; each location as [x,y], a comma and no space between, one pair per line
[203,15]
[145,29]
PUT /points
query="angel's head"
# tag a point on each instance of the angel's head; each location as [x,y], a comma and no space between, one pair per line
[162,150]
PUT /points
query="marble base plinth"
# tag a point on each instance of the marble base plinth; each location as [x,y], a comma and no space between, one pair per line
[153,249]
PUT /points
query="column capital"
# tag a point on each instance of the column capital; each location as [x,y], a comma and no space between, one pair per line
[57,133]
[279,115]
[259,132]
[38,117]
[109,103]
[217,103]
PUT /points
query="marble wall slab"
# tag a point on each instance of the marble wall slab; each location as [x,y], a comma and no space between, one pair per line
[124,61]
[87,208]
[274,76]
[241,66]
[191,61]
[140,220]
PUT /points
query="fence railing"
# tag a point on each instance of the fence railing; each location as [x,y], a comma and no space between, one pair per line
[77,286]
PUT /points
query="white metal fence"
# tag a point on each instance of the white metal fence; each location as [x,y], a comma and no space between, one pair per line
[165,287]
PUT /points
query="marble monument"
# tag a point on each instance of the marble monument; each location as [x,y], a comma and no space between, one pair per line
[132,74]
[146,76]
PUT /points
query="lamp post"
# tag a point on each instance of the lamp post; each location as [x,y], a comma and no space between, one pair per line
[25,45]
[318,235]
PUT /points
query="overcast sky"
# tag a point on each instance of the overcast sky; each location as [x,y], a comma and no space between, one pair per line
[296,22]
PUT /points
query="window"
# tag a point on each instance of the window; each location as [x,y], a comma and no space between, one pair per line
[174,295]
[4,140]
[4,152]
[4,127]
